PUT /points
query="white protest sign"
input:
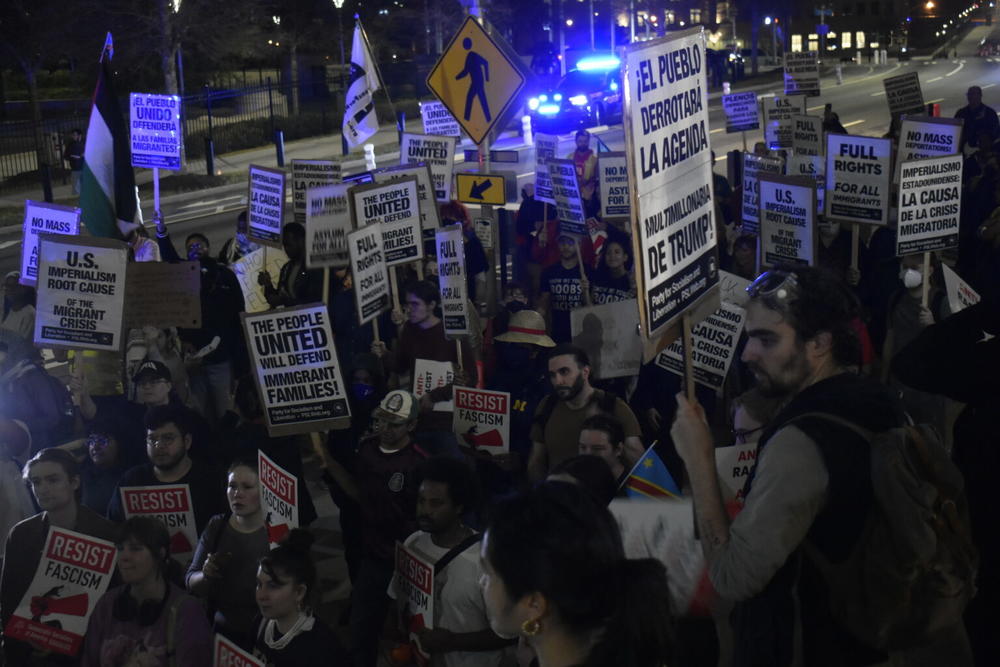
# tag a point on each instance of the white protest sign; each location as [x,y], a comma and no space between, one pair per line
[903,94]
[857,178]
[429,217]
[930,203]
[328,222]
[74,571]
[227,654]
[733,464]
[714,342]
[413,582]
[755,166]
[960,294]
[814,167]
[43,218]
[778,113]
[612,169]
[249,266]
[279,499]
[171,505]
[394,208]
[484,231]
[308,174]
[608,333]
[807,135]
[741,112]
[566,192]
[925,136]
[429,375]
[155,131]
[482,419]
[670,176]
[787,221]
[733,288]
[802,73]
[370,273]
[265,204]
[296,368]
[81,292]
[438,120]
[545,150]
[451,278]
[437,152]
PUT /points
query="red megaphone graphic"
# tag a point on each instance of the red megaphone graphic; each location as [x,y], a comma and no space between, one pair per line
[179,543]
[74,605]
[275,534]
[491,438]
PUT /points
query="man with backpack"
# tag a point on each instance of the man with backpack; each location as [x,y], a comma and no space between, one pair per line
[834,560]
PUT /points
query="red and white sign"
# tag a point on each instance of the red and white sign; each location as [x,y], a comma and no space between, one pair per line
[227,654]
[414,582]
[279,497]
[734,464]
[72,575]
[172,505]
[482,419]
[430,375]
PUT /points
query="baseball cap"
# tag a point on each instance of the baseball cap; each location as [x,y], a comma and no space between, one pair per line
[398,407]
[152,369]
[526,326]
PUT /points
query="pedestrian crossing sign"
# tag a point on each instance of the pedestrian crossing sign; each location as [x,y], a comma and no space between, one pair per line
[478,78]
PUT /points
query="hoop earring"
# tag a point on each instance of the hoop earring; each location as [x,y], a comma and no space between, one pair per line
[531,627]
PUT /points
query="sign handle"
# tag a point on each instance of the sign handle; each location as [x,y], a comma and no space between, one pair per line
[583,273]
[378,338]
[743,134]
[925,285]
[326,285]
[855,240]
[156,190]
[458,352]
[545,225]
[688,355]
[393,288]
[420,270]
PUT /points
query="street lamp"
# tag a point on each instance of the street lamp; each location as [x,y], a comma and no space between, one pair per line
[339,4]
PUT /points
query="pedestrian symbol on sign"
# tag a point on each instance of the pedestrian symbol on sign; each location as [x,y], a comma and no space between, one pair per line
[477,69]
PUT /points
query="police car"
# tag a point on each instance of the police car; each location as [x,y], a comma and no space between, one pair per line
[588,95]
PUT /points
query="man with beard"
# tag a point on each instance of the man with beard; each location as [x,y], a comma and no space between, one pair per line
[556,431]
[812,479]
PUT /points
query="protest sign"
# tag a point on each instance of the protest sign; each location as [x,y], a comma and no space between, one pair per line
[608,334]
[438,120]
[171,505]
[429,218]
[857,178]
[612,169]
[43,218]
[451,278]
[155,131]
[162,295]
[265,204]
[802,73]
[787,221]
[308,174]
[370,274]
[279,499]
[482,419]
[429,375]
[81,292]
[328,222]
[74,571]
[733,288]
[778,113]
[903,94]
[413,583]
[484,231]
[925,136]
[807,135]
[670,177]
[249,266]
[435,151]
[227,654]
[566,192]
[545,150]
[741,112]
[714,342]
[733,464]
[755,166]
[930,203]
[960,294]
[393,207]
[811,166]
[296,368]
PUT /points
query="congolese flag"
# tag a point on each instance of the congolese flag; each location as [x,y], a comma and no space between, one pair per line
[651,479]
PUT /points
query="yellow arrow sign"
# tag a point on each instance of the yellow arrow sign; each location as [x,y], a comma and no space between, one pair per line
[480,188]
[476,79]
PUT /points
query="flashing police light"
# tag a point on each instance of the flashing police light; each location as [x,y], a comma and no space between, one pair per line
[548,109]
[533,103]
[614,85]
[578,100]
[598,63]
[557,97]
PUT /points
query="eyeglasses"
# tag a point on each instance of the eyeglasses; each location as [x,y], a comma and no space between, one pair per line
[98,441]
[742,435]
[781,285]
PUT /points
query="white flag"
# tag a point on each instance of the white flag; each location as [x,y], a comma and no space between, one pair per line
[360,121]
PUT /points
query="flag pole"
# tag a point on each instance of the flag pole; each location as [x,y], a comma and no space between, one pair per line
[378,71]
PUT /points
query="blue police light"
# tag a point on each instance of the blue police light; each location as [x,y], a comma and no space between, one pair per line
[598,63]
[548,109]
[578,100]
[614,85]
[533,103]
[543,98]
[557,97]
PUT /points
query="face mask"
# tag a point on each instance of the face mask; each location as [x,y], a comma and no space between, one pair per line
[911,278]
[515,356]
[362,390]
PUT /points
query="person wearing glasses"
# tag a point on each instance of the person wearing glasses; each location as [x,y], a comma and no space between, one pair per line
[104,466]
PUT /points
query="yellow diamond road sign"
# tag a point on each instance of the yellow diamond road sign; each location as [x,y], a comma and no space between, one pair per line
[481,188]
[476,79]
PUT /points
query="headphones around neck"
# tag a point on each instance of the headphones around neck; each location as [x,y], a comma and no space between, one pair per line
[145,613]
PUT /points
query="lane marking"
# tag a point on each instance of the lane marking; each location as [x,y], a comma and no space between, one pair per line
[718,129]
[988,85]
[937,78]
[854,122]
[820,106]
[878,94]
[940,99]
[960,66]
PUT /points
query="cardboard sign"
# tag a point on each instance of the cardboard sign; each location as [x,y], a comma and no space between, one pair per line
[778,113]
[733,464]
[429,375]
[903,94]
[265,204]
[296,368]
[227,654]
[435,151]
[714,340]
[612,169]
[670,177]
[279,499]
[249,266]
[484,231]
[451,278]
[741,112]
[807,135]
[810,166]
[545,150]
[414,585]
[787,221]
[802,73]
[81,293]
[930,204]
[308,174]
[755,166]
[74,571]
[438,120]
[482,419]
[370,274]
[394,209]
[960,295]
[155,131]
[162,295]
[429,217]
[566,192]
[608,333]
[328,222]
[43,218]
[925,136]
[171,505]
[857,178]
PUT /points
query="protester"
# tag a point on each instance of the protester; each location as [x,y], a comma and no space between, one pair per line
[476,263]
[614,279]
[238,246]
[562,289]
[529,219]
[585,162]
[32,396]
[15,500]
[603,436]
[73,154]
[19,307]
[104,465]
[977,118]
[297,285]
